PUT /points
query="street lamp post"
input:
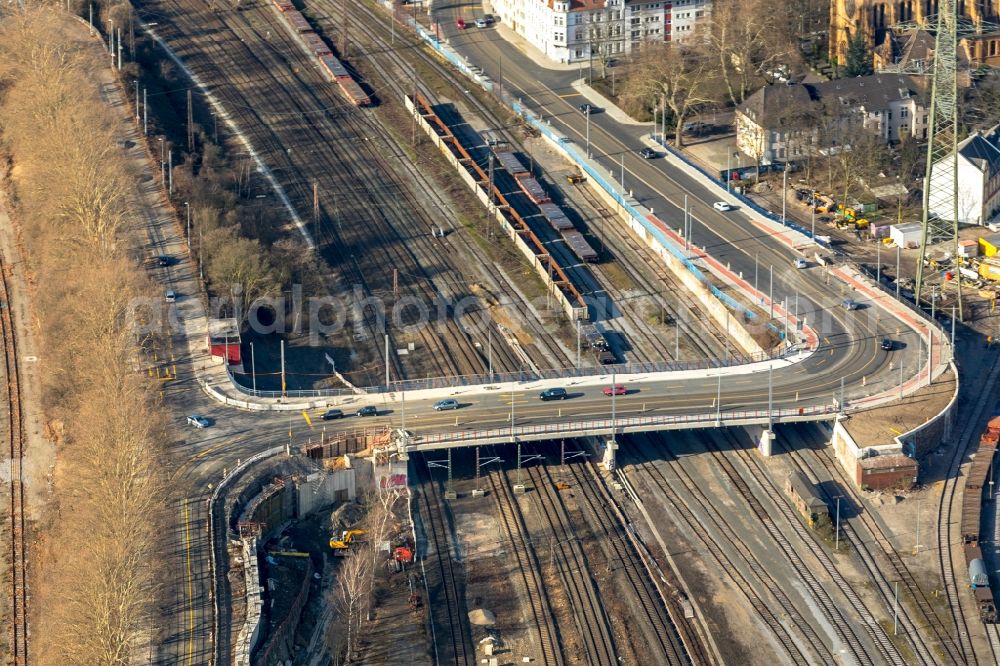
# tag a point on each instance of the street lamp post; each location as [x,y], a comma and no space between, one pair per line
[187,208]
[588,129]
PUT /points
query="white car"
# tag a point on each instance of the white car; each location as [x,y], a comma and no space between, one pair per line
[198,422]
[801,263]
[722,206]
[481,23]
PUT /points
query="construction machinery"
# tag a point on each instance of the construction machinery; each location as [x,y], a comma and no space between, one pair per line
[345,539]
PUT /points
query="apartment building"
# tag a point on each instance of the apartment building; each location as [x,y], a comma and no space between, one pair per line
[569,31]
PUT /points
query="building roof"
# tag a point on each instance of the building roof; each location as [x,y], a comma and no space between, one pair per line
[874,93]
[770,104]
[983,150]
[891,461]
[805,490]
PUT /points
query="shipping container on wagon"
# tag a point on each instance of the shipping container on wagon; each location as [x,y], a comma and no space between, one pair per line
[579,245]
[977,574]
[510,162]
[316,45]
[283,5]
[298,22]
[536,193]
[335,68]
[353,92]
[556,217]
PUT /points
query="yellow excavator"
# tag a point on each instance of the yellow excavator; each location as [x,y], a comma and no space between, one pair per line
[345,539]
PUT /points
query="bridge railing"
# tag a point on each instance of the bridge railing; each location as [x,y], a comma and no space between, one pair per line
[523,376]
[619,425]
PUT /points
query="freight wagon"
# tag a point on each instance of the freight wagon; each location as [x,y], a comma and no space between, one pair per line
[580,247]
[299,26]
[534,191]
[510,162]
[555,217]
[977,477]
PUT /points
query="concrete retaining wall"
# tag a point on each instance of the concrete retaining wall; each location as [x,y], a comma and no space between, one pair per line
[324,488]
[572,310]
[250,631]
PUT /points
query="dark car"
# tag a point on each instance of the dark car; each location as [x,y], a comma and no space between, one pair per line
[647,153]
[369,410]
[331,414]
[557,393]
[589,108]
[886,344]
[164,261]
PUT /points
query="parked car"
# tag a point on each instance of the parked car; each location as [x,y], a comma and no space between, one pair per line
[447,403]
[368,410]
[801,263]
[722,206]
[887,344]
[617,389]
[460,23]
[489,18]
[848,304]
[557,393]
[648,153]
[170,296]
[481,23]
[331,414]
[164,261]
[198,422]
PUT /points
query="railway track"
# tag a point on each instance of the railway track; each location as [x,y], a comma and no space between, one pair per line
[326,122]
[653,349]
[659,628]
[973,423]
[888,653]
[708,533]
[680,310]
[890,568]
[528,568]
[17,519]
[453,638]
[574,572]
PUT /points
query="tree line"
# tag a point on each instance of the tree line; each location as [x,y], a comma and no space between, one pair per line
[95,576]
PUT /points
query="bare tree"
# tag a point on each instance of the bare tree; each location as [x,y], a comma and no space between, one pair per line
[680,75]
[351,593]
[748,47]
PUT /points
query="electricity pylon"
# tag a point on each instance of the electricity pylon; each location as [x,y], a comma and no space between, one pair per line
[941,185]
[942,143]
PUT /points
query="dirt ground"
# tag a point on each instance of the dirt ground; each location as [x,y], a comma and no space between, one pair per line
[879,426]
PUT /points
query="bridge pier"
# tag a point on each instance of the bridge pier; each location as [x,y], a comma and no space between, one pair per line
[608,459]
[764,437]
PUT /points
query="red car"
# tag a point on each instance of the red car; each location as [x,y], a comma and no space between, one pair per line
[617,389]
[460,23]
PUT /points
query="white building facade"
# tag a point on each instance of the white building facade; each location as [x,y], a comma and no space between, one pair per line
[978,181]
[569,31]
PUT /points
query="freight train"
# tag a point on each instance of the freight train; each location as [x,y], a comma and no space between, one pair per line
[553,215]
[972,504]
[301,28]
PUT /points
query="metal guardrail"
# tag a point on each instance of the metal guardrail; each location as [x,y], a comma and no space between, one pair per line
[486,379]
[621,424]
